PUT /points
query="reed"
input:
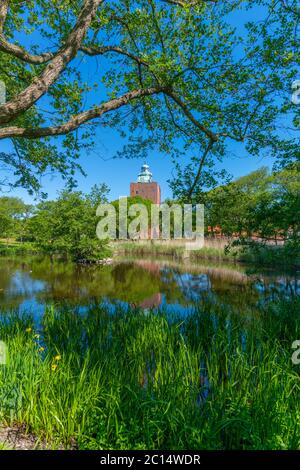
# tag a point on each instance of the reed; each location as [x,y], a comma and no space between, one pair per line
[212,249]
[139,379]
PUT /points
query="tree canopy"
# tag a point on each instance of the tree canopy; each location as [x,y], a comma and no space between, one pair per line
[260,205]
[167,71]
[13,213]
[68,225]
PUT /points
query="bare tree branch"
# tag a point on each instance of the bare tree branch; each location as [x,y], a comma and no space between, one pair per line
[39,59]
[184,3]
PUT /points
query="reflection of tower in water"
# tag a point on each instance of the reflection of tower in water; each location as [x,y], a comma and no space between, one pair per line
[154,301]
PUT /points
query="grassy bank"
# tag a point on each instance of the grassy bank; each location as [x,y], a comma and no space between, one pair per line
[214,250]
[219,379]
[15,248]
[286,257]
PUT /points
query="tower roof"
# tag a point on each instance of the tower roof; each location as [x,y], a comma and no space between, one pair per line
[145,175]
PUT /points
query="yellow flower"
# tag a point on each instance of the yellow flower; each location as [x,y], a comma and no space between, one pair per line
[57,358]
[28,330]
[54,367]
[41,349]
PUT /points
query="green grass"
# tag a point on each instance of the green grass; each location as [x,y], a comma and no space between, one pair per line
[213,249]
[4,446]
[148,248]
[213,253]
[262,255]
[216,249]
[15,248]
[219,379]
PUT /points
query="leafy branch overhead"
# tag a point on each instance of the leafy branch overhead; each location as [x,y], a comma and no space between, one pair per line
[159,70]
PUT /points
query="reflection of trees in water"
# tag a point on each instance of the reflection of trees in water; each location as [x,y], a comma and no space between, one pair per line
[141,282]
[133,284]
[183,288]
[65,281]
[233,288]
[120,271]
[280,286]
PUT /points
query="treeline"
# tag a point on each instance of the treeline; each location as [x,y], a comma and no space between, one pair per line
[260,205]
[65,225]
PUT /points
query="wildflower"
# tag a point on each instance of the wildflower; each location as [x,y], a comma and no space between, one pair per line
[41,349]
[57,358]
[28,330]
[54,367]
[37,336]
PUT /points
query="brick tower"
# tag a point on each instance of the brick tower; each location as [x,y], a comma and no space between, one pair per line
[145,187]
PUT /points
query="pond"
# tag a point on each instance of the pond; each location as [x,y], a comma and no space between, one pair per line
[185,375]
[30,283]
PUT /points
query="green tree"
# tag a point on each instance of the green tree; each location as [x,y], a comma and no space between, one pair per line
[68,226]
[13,216]
[277,212]
[261,204]
[130,201]
[172,69]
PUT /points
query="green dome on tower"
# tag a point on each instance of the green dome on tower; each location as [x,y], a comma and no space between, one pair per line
[145,175]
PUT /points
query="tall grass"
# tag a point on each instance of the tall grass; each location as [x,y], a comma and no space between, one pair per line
[218,249]
[212,249]
[15,248]
[131,379]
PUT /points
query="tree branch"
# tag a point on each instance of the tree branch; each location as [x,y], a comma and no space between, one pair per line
[94,51]
[211,135]
[287,7]
[202,161]
[184,3]
[41,84]
[20,53]
[3,13]
[76,121]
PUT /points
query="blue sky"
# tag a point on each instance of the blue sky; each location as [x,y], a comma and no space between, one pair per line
[100,166]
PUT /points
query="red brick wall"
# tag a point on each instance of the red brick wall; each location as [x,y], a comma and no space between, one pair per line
[146,190]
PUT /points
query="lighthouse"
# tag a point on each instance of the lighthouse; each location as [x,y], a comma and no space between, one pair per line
[145,187]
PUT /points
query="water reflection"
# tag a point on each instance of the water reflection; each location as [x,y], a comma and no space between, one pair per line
[32,282]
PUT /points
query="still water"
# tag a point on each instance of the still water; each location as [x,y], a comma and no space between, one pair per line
[30,283]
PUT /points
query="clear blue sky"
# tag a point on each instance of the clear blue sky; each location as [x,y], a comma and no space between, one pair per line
[100,166]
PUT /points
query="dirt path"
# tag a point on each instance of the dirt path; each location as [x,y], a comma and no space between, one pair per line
[15,438]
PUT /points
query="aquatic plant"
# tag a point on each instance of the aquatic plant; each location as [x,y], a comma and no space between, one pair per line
[133,378]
